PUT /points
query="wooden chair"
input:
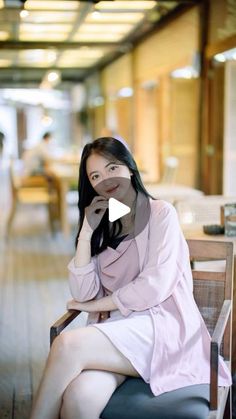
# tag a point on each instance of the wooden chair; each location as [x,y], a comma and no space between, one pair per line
[213,294]
[31,190]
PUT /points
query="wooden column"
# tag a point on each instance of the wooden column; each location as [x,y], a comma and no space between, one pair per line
[165,123]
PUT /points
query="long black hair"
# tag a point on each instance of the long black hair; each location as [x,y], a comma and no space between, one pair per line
[108,147]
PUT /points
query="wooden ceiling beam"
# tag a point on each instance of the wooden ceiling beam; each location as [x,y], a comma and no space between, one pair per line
[18,45]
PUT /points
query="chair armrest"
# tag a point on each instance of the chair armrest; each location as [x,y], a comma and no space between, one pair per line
[215,350]
[61,323]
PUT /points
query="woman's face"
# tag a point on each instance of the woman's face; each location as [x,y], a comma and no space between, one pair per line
[108,176]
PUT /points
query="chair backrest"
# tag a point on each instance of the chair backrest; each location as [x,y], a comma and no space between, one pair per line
[19,181]
[212,268]
[205,210]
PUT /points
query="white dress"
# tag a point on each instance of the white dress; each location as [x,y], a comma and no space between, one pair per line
[138,327]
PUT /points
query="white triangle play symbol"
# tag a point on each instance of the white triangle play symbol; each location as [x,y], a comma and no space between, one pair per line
[116,209]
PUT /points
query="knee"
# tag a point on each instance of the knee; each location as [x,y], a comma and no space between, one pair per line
[67,341]
[58,343]
[61,345]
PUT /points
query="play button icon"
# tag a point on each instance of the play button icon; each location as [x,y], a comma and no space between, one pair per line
[115,194]
[116,209]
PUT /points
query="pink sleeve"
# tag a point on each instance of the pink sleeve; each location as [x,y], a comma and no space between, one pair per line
[84,281]
[168,256]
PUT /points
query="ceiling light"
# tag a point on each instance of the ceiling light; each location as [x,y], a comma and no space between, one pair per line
[187,72]
[80,57]
[57,36]
[52,5]
[51,17]
[53,76]
[105,27]
[220,58]
[96,15]
[125,5]
[115,17]
[125,92]
[46,120]
[24,14]
[50,80]
[37,57]
[47,27]
[230,54]
[95,37]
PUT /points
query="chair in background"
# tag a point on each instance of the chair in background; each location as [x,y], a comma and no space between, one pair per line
[31,190]
[213,294]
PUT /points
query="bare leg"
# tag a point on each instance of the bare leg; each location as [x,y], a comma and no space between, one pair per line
[71,353]
[87,395]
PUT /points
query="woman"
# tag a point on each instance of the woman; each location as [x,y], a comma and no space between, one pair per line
[138,283]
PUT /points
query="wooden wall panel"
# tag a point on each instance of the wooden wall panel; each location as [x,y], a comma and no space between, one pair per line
[214,149]
[124,108]
[184,128]
[117,75]
[172,47]
[146,133]
[98,120]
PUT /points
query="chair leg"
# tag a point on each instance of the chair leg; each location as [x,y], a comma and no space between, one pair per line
[51,217]
[53,206]
[233,398]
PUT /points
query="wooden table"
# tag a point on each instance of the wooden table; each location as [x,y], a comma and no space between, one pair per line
[65,174]
[197,233]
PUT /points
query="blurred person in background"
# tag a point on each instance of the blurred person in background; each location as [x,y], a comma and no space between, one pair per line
[37,170]
[36,159]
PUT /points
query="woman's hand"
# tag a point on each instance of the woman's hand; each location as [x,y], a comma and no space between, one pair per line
[95,211]
[87,306]
[103,304]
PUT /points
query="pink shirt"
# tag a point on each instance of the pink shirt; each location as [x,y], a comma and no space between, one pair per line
[162,287]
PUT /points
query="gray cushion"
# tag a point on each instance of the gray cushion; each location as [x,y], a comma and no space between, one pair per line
[134,400]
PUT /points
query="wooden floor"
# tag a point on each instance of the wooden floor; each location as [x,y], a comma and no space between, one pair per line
[33,294]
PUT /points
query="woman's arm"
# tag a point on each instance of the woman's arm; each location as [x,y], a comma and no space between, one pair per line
[83,250]
[102,304]
[88,286]
[83,273]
